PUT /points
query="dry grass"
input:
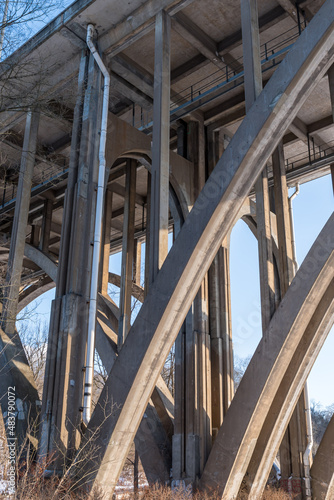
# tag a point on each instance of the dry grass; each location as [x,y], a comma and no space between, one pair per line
[165,493]
[35,487]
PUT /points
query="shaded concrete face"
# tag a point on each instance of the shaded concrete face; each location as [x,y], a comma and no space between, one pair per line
[182,156]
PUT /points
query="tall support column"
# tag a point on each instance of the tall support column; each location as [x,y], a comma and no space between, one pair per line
[46,226]
[331,90]
[147,235]
[127,252]
[64,375]
[290,450]
[193,429]
[294,441]
[137,262]
[18,236]
[16,375]
[253,87]
[105,250]
[160,151]
[226,323]
[286,270]
[220,312]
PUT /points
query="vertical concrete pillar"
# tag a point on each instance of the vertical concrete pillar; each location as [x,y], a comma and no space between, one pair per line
[105,248]
[160,151]
[64,252]
[182,139]
[294,442]
[127,252]
[35,235]
[253,87]
[226,323]
[137,262]
[290,450]
[283,220]
[220,311]
[18,235]
[192,416]
[64,375]
[16,375]
[331,90]
[46,226]
[147,235]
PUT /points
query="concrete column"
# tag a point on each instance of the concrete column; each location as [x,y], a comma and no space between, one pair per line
[220,311]
[18,235]
[322,471]
[221,336]
[331,90]
[182,139]
[253,87]
[35,235]
[63,394]
[283,220]
[290,450]
[105,249]
[160,150]
[46,226]
[127,252]
[147,235]
[294,441]
[16,375]
[137,262]
[226,323]
[64,252]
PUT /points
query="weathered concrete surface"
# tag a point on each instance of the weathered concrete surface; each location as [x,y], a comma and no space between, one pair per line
[152,441]
[322,470]
[16,374]
[274,357]
[289,391]
[160,149]
[138,366]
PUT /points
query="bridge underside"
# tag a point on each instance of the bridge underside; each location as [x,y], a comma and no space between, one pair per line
[215,109]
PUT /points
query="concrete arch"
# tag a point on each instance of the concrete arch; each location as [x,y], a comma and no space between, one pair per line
[34,291]
[178,204]
[284,356]
[322,470]
[289,392]
[41,260]
[125,141]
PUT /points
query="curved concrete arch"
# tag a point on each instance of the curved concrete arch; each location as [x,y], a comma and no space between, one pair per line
[300,323]
[46,283]
[178,204]
[34,291]
[125,141]
[322,470]
[288,394]
[41,260]
[137,291]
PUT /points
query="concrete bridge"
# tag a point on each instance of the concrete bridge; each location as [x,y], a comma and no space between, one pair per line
[124,121]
